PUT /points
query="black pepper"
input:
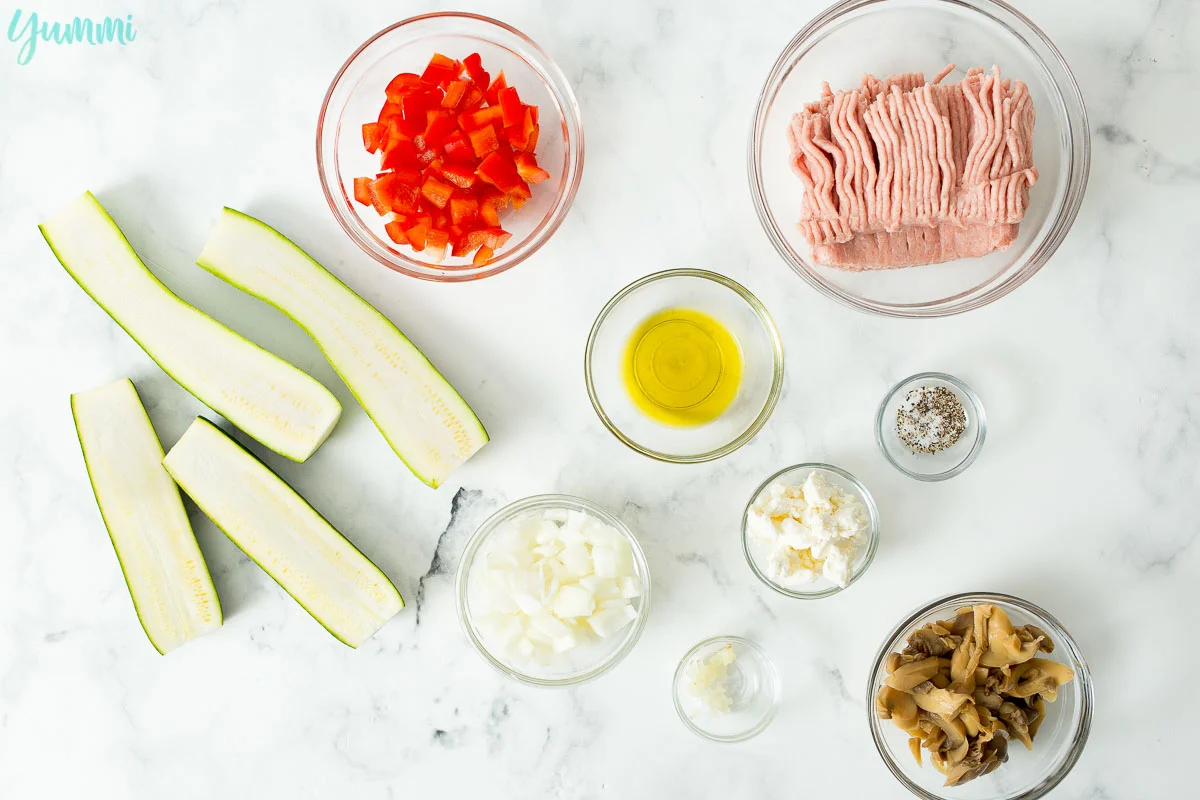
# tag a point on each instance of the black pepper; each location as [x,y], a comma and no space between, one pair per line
[930,419]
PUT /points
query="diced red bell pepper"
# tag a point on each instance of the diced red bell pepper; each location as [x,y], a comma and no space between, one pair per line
[500,172]
[482,256]
[383,192]
[464,210]
[436,192]
[457,148]
[439,129]
[435,245]
[474,66]
[416,236]
[441,70]
[510,103]
[468,242]
[461,175]
[373,134]
[493,92]
[520,192]
[528,169]
[495,237]
[455,92]
[362,190]
[473,100]
[474,120]
[401,155]
[395,231]
[484,141]
[402,84]
[530,129]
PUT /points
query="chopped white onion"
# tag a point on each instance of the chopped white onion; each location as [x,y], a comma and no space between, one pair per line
[553,581]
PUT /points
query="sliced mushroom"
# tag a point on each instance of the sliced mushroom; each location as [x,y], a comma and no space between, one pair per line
[969,716]
[912,674]
[1036,713]
[943,702]
[1004,645]
[897,706]
[914,747]
[1017,723]
[956,744]
[1038,676]
[933,641]
[985,698]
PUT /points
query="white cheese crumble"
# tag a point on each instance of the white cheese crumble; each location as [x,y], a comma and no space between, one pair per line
[808,530]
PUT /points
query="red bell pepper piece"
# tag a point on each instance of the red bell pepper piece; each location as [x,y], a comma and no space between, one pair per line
[464,210]
[383,192]
[482,256]
[461,175]
[500,172]
[362,190]
[413,106]
[438,131]
[493,92]
[373,134]
[435,244]
[474,120]
[402,84]
[528,169]
[436,192]
[395,231]
[455,93]
[473,100]
[457,148]
[474,66]
[484,141]
[416,236]
[441,70]
[401,155]
[510,103]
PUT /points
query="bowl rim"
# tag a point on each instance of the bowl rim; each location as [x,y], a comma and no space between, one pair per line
[764,318]
[533,503]
[776,685]
[872,540]
[572,125]
[980,416]
[1083,680]
[1078,145]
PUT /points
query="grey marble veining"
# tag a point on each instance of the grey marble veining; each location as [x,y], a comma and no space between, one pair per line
[1088,489]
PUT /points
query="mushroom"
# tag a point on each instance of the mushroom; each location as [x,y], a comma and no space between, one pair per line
[1037,676]
[961,687]
[1017,723]
[1005,647]
[942,702]
[897,706]
[956,744]
[912,674]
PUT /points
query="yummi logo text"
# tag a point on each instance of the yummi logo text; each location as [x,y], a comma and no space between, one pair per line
[27,31]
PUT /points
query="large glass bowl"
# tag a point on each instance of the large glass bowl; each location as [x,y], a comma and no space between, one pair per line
[1028,774]
[595,659]
[884,37]
[357,94]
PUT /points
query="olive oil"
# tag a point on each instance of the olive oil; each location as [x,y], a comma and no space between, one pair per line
[682,367]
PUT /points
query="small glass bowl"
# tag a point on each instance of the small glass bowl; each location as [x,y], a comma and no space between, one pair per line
[729,303]
[752,684]
[931,466]
[604,655]
[884,37]
[822,586]
[1028,774]
[357,94]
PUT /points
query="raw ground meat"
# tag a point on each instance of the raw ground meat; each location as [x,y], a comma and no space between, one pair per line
[902,172]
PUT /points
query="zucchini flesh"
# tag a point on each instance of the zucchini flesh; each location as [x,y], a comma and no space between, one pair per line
[283,534]
[269,399]
[168,580]
[426,423]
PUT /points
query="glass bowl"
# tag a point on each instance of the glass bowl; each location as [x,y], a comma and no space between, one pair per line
[1028,774]
[822,586]
[586,662]
[931,466]
[729,303]
[751,684]
[357,93]
[884,37]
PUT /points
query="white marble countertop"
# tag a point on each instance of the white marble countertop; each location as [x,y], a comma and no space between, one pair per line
[1090,478]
